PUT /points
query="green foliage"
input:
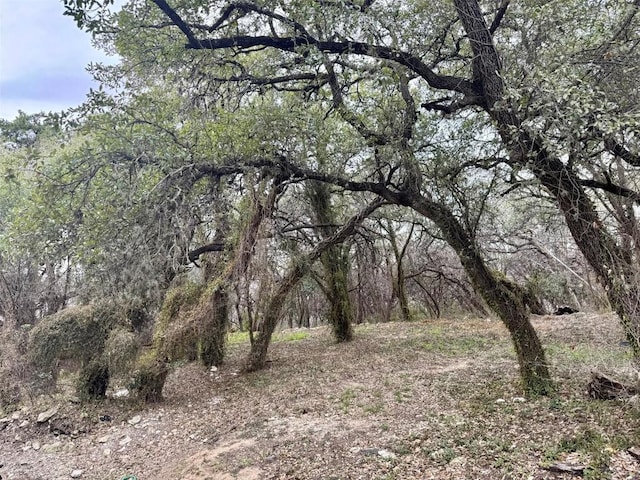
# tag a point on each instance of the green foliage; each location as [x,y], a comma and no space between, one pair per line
[174,335]
[149,378]
[74,333]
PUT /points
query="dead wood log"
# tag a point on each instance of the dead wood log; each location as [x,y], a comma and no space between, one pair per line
[602,387]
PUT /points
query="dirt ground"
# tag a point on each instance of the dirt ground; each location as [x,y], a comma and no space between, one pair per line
[424,400]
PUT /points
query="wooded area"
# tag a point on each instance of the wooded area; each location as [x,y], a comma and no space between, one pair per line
[254,164]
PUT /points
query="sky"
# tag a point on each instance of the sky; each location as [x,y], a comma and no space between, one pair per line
[43,58]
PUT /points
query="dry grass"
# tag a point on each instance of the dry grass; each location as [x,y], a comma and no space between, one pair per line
[440,396]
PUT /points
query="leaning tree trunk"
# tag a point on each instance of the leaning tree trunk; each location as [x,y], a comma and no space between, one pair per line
[614,267]
[509,307]
[258,354]
[335,263]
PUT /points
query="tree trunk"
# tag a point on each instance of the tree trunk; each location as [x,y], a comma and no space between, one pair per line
[341,313]
[509,307]
[335,263]
[213,336]
[399,282]
[258,354]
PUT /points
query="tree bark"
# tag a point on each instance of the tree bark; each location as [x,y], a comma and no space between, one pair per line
[399,281]
[258,354]
[614,267]
[335,263]
[510,308]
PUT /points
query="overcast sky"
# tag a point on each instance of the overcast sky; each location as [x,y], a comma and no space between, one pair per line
[43,56]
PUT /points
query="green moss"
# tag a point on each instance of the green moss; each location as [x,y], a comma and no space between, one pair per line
[74,333]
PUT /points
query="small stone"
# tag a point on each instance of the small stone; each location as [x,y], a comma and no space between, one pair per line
[500,400]
[77,473]
[386,454]
[25,423]
[35,445]
[47,415]
[634,452]
[519,399]
[135,420]
[214,368]
[125,441]
[103,439]
[51,447]
[121,393]
[15,415]
[368,451]
[106,452]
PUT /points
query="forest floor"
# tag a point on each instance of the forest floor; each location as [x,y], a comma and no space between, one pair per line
[437,399]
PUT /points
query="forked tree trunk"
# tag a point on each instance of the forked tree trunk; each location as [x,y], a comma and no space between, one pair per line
[258,354]
[335,263]
[341,313]
[399,281]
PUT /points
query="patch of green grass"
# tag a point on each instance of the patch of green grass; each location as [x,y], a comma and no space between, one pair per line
[290,336]
[589,443]
[347,397]
[455,346]
[373,408]
[237,338]
[587,354]
[402,393]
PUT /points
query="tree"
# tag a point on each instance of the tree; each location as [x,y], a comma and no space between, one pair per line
[461,39]
[316,50]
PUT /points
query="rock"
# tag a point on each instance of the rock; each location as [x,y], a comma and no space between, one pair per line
[369,451]
[386,454]
[105,418]
[51,447]
[47,415]
[500,400]
[106,452]
[25,423]
[35,445]
[125,441]
[135,420]
[519,399]
[103,439]
[121,393]
[77,473]
[634,452]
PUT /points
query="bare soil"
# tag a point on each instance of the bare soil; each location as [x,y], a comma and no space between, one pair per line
[424,400]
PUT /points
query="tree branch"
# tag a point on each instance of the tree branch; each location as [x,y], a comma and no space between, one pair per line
[292,43]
